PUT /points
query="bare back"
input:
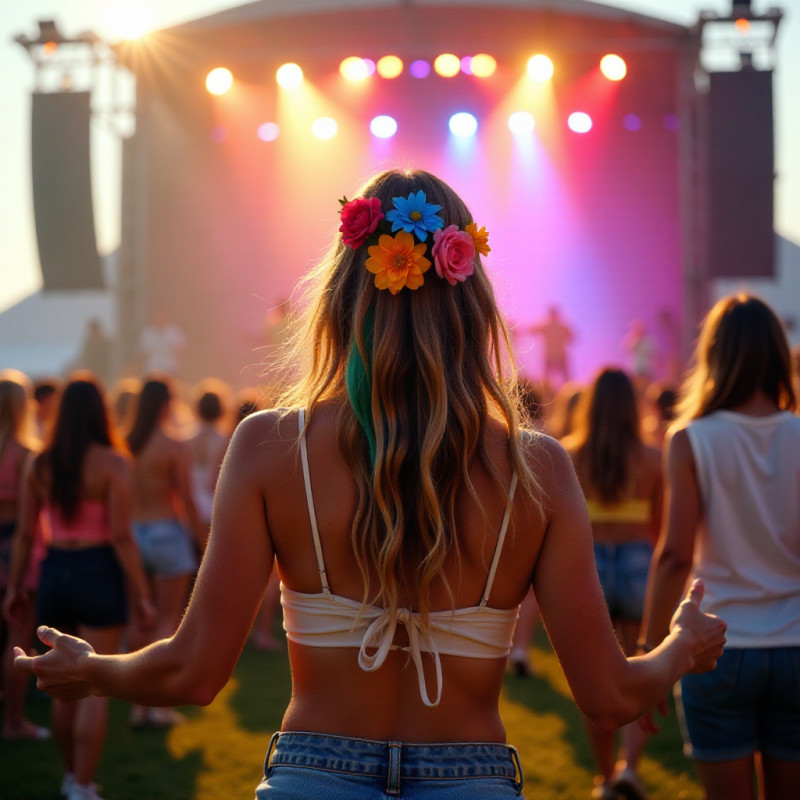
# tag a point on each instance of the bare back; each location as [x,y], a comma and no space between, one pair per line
[386,704]
[157,478]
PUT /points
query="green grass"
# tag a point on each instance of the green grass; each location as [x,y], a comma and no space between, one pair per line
[218,753]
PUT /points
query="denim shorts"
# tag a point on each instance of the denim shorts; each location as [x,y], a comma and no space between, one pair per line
[81,587]
[749,703]
[299,766]
[622,569]
[165,547]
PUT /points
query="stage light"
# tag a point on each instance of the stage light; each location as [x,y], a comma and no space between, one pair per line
[389,67]
[268,131]
[370,67]
[383,126]
[540,68]
[742,25]
[420,69]
[483,65]
[466,65]
[354,69]
[324,128]
[49,48]
[579,122]
[632,122]
[463,124]
[219,80]
[521,123]
[447,65]
[613,67]
[289,76]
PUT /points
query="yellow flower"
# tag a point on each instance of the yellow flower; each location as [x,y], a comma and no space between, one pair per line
[480,237]
[397,262]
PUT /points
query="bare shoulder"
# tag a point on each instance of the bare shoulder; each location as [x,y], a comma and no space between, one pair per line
[109,460]
[264,440]
[551,464]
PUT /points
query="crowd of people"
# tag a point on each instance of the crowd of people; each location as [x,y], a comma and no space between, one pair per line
[416,501]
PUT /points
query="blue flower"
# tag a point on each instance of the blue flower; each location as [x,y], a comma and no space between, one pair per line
[415,215]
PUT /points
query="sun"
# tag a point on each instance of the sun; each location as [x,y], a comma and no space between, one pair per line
[128,21]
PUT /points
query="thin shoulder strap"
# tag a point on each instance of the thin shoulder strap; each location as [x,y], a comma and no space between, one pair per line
[500,539]
[312,514]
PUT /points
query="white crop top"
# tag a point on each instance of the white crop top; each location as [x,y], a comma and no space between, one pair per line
[325,619]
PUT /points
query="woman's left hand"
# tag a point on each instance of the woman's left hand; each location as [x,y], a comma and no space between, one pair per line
[58,672]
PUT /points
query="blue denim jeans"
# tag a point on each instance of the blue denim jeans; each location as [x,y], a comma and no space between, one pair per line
[312,766]
[622,569]
[749,703]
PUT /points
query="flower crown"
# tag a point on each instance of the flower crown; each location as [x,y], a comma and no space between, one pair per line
[399,261]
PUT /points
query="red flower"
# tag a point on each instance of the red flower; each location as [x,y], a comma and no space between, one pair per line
[360,218]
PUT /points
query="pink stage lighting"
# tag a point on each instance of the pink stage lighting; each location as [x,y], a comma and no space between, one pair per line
[579,122]
[354,69]
[613,67]
[390,67]
[383,126]
[447,65]
[268,131]
[463,124]
[219,80]
[420,69]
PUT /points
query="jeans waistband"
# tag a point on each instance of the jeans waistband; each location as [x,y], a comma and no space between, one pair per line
[394,761]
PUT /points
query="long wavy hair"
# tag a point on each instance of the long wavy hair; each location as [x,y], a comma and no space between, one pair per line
[154,397]
[741,349]
[81,420]
[439,363]
[607,435]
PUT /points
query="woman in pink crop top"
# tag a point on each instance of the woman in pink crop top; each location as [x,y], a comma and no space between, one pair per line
[402,547]
[621,480]
[78,486]
[16,448]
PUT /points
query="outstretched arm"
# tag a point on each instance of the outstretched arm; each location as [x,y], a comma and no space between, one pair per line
[194,664]
[607,687]
[672,559]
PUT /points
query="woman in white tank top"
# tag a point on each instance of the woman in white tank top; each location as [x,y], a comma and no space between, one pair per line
[733,471]
[408,516]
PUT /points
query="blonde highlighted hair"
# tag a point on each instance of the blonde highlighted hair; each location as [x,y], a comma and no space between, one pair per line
[741,349]
[439,365]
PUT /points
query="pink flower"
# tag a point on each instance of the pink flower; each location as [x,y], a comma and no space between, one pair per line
[360,218]
[453,254]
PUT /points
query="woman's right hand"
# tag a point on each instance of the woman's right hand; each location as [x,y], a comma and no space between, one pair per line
[58,672]
[707,631]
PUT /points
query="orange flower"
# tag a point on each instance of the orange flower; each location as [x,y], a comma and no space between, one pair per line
[480,237]
[397,262]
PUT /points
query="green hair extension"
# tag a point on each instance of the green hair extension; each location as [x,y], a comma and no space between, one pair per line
[358,380]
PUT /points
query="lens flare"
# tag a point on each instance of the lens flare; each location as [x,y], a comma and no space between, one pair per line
[289,76]
[219,80]
[540,68]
